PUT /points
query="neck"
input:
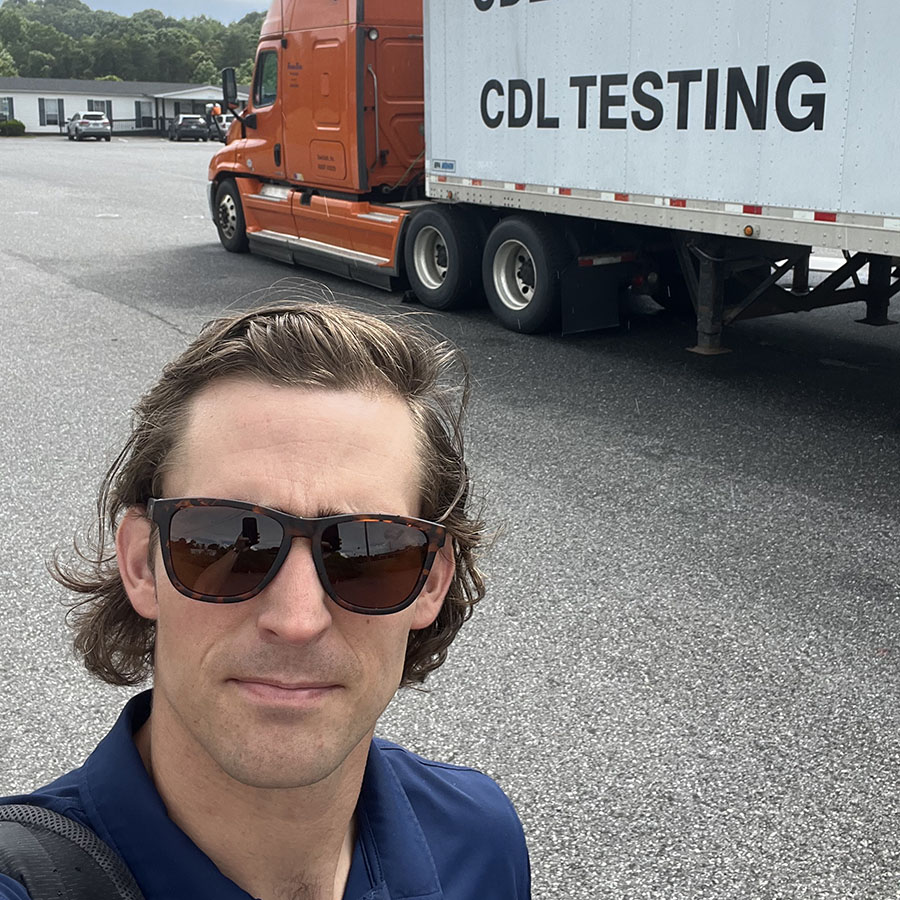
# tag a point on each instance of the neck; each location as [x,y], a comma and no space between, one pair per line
[274,843]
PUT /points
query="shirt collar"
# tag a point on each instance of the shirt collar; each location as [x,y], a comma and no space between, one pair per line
[391,834]
[129,814]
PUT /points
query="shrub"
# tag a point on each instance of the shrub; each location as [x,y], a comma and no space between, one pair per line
[12,128]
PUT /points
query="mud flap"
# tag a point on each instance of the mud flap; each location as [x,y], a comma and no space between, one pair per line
[592,288]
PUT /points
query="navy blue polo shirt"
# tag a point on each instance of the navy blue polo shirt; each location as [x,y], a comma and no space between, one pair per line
[425,830]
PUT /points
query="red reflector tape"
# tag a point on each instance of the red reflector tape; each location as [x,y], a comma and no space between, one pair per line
[584,261]
[442,178]
[825,217]
[752,210]
[565,192]
[622,197]
[520,187]
[681,204]
[476,182]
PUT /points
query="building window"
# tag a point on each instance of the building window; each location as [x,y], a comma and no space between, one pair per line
[51,111]
[265,85]
[143,114]
[6,109]
[104,106]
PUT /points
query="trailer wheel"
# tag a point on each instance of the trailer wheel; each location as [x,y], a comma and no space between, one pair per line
[522,261]
[442,253]
[230,218]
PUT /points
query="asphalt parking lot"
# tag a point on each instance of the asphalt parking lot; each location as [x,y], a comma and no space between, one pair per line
[686,670]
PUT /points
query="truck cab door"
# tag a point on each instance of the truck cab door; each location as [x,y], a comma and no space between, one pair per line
[263,147]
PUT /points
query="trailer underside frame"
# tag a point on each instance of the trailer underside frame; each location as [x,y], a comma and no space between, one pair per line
[730,280]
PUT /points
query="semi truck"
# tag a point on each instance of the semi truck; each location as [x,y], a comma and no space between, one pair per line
[551,155]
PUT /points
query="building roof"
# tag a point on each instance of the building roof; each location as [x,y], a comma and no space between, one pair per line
[107,88]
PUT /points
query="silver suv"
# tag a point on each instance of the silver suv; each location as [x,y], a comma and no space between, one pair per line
[89,124]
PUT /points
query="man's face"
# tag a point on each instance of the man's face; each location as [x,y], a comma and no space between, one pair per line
[221,669]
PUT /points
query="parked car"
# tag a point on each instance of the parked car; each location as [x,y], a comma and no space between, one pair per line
[89,124]
[192,127]
[224,123]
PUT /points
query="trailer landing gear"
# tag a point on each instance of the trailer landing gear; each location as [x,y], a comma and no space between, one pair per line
[729,280]
[880,292]
[710,307]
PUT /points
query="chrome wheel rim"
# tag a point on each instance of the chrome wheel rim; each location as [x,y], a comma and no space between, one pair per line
[515,278]
[228,216]
[430,257]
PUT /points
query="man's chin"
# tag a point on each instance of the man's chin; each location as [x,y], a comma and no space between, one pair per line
[278,770]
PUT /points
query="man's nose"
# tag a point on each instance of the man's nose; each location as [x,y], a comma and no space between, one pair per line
[295,607]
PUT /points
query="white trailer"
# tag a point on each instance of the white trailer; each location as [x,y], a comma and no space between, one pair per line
[704,146]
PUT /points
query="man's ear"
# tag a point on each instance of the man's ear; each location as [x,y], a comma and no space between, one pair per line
[133,555]
[429,602]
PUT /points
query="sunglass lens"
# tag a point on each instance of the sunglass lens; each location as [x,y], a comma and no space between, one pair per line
[374,565]
[222,551]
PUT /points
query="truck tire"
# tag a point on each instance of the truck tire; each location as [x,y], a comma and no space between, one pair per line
[442,254]
[523,258]
[230,218]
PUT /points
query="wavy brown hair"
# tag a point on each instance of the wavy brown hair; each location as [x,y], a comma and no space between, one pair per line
[311,345]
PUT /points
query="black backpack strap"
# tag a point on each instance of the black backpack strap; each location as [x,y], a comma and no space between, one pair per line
[56,858]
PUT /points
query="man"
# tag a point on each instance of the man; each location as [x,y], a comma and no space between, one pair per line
[292,543]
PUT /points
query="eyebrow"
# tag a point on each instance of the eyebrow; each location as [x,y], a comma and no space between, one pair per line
[321,513]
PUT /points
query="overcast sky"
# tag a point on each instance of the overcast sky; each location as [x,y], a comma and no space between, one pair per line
[223,10]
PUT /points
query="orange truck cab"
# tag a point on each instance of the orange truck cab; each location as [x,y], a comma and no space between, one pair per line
[324,165]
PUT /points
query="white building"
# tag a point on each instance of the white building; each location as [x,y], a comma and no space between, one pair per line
[44,105]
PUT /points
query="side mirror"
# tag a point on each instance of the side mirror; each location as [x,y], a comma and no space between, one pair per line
[229,89]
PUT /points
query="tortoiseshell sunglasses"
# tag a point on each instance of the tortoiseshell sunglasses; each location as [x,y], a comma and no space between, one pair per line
[226,551]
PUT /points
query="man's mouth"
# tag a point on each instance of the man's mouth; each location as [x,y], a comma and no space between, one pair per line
[299,694]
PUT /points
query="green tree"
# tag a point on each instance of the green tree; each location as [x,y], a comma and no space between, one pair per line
[143,56]
[176,47]
[13,33]
[68,39]
[7,64]
[39,64]
[204,70]
[244,72]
